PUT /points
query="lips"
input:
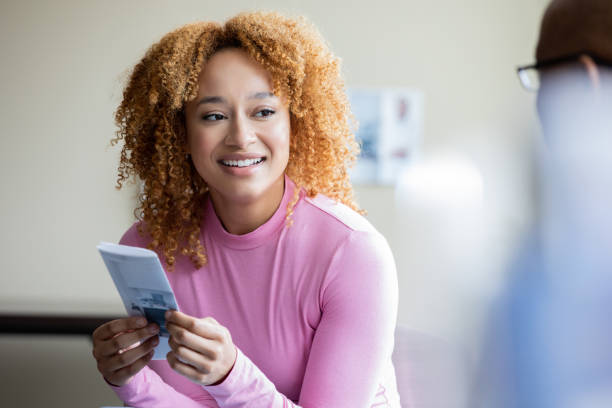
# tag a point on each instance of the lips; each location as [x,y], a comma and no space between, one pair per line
[242,160]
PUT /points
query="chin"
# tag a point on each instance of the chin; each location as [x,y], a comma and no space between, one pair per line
[247,190]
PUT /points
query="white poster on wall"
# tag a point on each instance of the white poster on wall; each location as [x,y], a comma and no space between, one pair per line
[389,133]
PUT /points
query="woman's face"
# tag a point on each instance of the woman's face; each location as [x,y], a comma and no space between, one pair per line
[238,131]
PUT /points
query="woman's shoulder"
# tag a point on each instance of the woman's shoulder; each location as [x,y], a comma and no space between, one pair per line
[336,214]
[355,249]
[326,227]
[136,235]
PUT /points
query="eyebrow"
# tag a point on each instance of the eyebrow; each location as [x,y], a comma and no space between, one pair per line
[220,99]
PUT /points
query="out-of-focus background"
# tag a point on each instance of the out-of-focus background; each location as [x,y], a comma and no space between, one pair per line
[453,221]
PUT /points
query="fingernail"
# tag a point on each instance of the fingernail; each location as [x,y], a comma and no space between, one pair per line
[141,321]
[167,315]
[155,341]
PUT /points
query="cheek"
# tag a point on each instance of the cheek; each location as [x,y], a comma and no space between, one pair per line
[282,136]
[201,142]
[281,145]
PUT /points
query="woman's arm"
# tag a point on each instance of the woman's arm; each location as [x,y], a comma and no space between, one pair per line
[147,389]
[354,339]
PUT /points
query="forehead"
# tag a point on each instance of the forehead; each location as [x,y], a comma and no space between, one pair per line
[233,70]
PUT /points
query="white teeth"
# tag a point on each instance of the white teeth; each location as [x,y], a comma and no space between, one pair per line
[242,163]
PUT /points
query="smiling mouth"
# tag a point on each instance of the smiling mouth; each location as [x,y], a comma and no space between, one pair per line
[242,163]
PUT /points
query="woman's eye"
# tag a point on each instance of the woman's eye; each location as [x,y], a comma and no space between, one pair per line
[213,117]
[264,113]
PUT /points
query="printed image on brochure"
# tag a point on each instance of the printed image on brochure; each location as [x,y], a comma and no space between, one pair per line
[142,285]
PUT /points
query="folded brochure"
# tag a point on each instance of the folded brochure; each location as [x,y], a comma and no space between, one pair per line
[142,285]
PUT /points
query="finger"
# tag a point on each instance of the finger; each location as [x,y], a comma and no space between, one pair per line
[185,369]
[184,320]
[187,356]
[211,346]
[210,349]
[178,318]
[211,320]
[124,341]
[120,376]
[127,358]
[206,327]
[110,329]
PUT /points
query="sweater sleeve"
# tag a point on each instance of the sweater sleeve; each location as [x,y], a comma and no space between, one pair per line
[352,343]
[147,389]
[354,339]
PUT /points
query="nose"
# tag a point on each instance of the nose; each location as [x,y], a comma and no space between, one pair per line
[240,133]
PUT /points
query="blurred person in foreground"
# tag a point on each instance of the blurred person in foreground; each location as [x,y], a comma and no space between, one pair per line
[550,336]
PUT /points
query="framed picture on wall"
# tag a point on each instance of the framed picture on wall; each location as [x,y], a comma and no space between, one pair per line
[390,130]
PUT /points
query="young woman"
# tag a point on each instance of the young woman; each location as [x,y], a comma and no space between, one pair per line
[241,136]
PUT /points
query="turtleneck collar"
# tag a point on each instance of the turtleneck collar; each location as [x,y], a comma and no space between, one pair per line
[215,230]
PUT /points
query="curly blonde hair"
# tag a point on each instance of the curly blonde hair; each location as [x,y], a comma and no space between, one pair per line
[151,121]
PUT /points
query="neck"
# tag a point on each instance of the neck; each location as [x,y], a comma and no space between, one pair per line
[242,217]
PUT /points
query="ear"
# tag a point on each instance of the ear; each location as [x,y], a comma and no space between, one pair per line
[592,70]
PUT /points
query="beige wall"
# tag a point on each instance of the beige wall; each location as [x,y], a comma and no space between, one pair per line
[63,63]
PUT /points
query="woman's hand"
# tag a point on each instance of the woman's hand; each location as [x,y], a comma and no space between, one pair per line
[202,349]
[123,347]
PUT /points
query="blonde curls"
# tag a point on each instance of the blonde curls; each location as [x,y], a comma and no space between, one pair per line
[152,124]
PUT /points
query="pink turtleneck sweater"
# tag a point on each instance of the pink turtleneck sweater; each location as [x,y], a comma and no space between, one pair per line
[311,308]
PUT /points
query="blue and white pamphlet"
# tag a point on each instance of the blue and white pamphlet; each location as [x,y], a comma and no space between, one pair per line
[142,285]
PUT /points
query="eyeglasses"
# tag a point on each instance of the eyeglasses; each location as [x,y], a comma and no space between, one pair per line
[529,75]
